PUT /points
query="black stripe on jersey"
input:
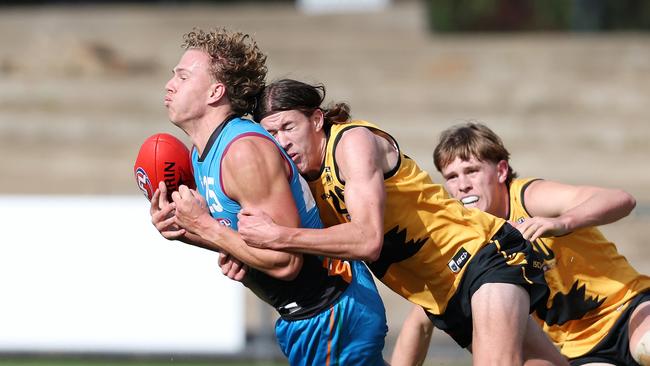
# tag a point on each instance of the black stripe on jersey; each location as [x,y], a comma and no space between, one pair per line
[214,135]
[521,196]
[377,132]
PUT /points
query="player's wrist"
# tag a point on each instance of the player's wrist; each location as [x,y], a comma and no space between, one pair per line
[286,237]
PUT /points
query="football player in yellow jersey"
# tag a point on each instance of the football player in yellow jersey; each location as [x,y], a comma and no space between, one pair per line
[473,273]
[598,310]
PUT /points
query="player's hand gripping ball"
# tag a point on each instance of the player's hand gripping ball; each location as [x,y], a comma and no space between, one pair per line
[163,157]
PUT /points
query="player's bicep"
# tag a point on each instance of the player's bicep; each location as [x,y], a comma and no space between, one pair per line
[551,199]
[359,161]
[256,177]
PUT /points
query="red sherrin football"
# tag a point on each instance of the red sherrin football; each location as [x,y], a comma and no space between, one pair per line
[163,157]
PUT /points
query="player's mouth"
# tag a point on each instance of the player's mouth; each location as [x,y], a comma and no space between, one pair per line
[468,200]
[167,101]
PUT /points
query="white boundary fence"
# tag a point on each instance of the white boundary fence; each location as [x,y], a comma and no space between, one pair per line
[91,274]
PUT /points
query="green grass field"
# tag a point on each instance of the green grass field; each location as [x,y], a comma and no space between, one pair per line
[170,362]
[82,362]
[61,362]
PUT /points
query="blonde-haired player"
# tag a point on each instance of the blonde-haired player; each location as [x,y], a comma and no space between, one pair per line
[598,310]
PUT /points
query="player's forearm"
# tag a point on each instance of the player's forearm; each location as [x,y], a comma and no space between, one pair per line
[411,348]
[276,264]
[347,241]
[197,241]
[413,341]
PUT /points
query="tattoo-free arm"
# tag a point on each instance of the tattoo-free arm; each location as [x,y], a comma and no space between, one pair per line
[557,208]
[413,340]
[361,158]
[254,174]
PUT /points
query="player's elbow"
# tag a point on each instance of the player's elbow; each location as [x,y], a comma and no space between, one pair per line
[629,202]
[289,270]
[625,202]
[373,247]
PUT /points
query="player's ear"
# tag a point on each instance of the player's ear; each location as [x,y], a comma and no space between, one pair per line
[216,92]
[502,171]
[317,119]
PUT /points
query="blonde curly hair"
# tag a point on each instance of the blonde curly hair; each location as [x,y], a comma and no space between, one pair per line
[236,61]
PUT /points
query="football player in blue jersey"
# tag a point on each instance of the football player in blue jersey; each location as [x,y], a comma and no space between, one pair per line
[330,310]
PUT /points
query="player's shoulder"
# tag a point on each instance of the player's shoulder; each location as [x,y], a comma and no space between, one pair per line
[249,146]
[365,140]
[252,149]
[355,135]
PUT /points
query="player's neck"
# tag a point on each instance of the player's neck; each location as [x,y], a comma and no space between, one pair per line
[503,211]
[203,128]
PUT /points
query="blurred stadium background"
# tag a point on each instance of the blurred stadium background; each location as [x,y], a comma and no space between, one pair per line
[565,83]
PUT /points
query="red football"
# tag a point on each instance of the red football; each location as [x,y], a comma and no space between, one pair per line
[163,157]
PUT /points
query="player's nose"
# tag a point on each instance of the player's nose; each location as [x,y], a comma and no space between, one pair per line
[282,140]
[464,183]
[169,85]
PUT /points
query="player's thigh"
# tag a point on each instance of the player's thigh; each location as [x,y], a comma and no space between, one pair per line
[538,348]
[639,322]
[500,313]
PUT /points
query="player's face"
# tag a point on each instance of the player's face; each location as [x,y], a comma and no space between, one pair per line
[189,87]
[479,184]
[300,136]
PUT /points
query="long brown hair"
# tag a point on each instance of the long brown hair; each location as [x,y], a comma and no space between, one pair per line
[289,94]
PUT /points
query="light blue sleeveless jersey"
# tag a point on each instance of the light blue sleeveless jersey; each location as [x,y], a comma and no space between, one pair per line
[341,323]
[208,169]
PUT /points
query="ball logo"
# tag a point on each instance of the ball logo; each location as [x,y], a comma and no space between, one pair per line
[170,176]
[143,182]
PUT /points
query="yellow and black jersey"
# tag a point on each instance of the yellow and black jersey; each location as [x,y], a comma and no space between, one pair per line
[590,282]
[428,237]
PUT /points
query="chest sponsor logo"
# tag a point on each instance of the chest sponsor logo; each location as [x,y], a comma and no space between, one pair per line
[459,260]
[328,175]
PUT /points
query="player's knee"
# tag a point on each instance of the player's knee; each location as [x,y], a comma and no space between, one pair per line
[641,350]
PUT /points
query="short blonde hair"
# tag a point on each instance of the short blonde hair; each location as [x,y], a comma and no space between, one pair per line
[469,140]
